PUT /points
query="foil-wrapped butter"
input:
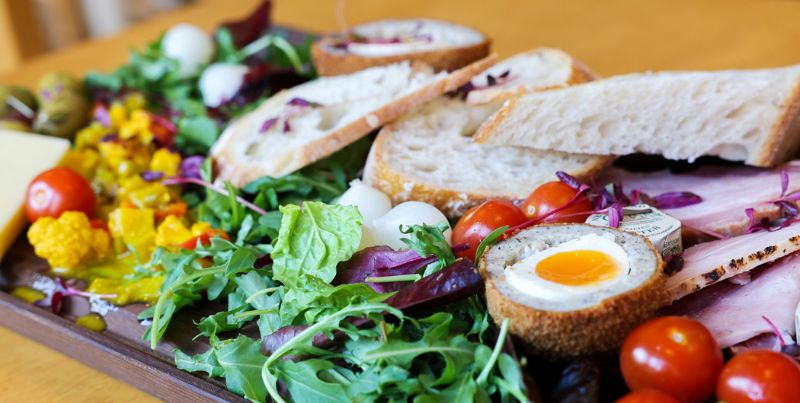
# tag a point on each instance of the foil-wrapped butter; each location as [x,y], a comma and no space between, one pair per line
[663,230]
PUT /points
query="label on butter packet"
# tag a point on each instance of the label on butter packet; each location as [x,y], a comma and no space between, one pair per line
[663,230]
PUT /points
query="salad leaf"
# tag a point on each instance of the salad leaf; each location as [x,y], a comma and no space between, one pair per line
[186,278]
[205,362]
[381,261]
[241,360]
[196,134]
[305,384]
[428,240]
[313,240]
[316,299]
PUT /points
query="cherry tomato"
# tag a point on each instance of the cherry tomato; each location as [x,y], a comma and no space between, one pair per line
[647,396]
[204,238]
[673,354]
[481,220]
[759,376]
[58,190]
[552,195]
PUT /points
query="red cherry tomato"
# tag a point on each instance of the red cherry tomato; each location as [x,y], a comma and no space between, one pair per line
[552,195]
[759,376]
[204,238]
[647,396]
[58,190]
[481,220]
[673,354]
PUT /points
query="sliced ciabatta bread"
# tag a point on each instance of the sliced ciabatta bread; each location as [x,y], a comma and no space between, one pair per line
[440,44]
[311,121]
[429,155]
[535,70]
[740,115]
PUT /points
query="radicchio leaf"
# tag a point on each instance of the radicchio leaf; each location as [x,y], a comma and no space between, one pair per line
[672,200]
[251,27]
[381,261]
[455,282]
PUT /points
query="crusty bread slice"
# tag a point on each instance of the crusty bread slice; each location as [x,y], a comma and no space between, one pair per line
[535,70]
[306,123]
[740,115]
[442,45]
[429,155]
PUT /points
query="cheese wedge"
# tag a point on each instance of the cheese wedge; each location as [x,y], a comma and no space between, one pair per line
[23,156]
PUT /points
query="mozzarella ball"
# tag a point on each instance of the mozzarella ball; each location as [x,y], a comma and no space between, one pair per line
[386,229]
[220,82]
[190,46]
[371,202]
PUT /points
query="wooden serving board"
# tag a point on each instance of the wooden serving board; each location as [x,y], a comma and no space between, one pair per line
[119,350]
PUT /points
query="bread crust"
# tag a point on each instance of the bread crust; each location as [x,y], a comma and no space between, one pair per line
[240,174]
[596,329]
[330,64]
[784,139]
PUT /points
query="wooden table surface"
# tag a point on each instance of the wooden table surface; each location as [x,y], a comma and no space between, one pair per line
[612,36]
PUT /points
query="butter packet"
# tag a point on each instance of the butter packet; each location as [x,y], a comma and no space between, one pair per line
[663,230]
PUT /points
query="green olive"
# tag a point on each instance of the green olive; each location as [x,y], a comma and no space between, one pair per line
[63,106]
[16,99]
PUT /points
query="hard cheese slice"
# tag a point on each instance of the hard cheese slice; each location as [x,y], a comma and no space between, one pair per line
[23,156]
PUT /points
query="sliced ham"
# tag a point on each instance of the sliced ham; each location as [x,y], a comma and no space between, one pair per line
[726,193]
[734,313]
[712,262]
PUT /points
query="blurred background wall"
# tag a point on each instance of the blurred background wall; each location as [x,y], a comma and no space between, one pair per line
[32,27]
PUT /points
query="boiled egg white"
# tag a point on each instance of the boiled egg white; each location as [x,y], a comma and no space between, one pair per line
[190,46]
[386,229]
[220,82]
[371,202]
[571,269]
[381,222]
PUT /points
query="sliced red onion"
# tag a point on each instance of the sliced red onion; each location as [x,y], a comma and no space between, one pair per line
[150,176]
[568,180]
[671,200]
[190,166]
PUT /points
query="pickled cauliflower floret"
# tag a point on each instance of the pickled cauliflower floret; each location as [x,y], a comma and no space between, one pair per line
[69,241]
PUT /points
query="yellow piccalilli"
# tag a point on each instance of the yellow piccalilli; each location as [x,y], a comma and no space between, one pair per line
[70,241]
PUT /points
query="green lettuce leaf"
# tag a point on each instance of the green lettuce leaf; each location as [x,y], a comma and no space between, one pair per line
[312,240]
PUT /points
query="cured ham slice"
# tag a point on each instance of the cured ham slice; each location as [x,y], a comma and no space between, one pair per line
[735,313]
[711,262]
[726,193]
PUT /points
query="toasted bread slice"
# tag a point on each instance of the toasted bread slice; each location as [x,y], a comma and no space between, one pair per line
[440,44]
[739,115]
[306,123]
[429,155]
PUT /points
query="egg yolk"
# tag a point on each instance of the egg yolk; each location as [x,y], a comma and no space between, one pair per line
[578,267]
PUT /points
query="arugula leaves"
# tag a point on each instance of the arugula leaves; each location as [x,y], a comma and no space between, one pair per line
[428,240]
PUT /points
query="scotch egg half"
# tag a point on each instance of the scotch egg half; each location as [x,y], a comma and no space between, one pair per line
[573,289]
